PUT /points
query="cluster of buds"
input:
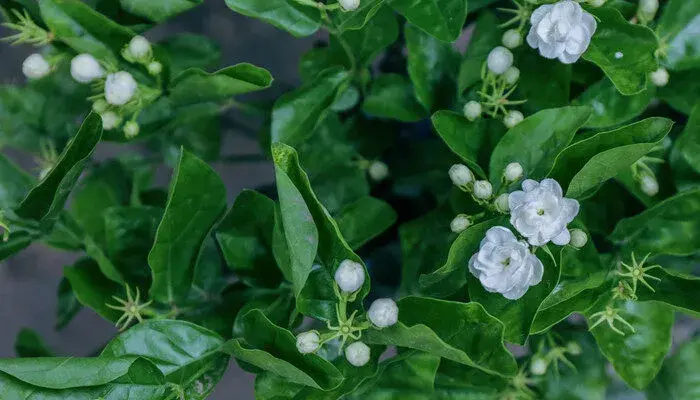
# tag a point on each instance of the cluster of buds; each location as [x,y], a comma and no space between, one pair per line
[383,313]
[550,353]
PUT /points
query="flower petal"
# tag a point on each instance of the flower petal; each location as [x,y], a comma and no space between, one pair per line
[562,238]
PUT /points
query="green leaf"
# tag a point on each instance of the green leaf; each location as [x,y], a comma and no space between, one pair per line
[365,44]
[158,10]
[30,344]
[464,138]
[584,166]
[357,18]
[93,289]
[678,28]
[537,141]
[67,305]
[681,91]
[403,377]
[637,357]
[297,19]
[544,83]
[365,219]
[391,96]
[611,108]
[188,50]
[197,86]
[197,200]
[442,19]
[678,378]
[273,349]
[625,52]
[45,201]
[14,185]
[432,66]
[460,332]
[486,35]
[687,146]
[674,288]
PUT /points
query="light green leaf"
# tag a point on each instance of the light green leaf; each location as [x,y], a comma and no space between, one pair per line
[391,96]
[365,44]
[678,28]
[442,19]
[611,108]
[365,219]
[299,20]
[678,378]
[357,18]
[197,86]
[158,10]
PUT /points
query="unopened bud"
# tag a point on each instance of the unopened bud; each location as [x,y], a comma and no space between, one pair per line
[499,60]
[155,68]
[139,47]
[538,366]
[502,203]
[357,354]
[460,175]
[579,238]
[472,110]
[659,77]
[460,223]
[35,66]
[308,342]
[512,38]
[482,190]
[513,118]
[511,75]
[649,185]
[378,171]
[131,129]
[513,172]
[350,276]
[349,5]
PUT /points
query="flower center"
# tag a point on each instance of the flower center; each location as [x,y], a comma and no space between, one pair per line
[560,31]
[506,262]
[540,211]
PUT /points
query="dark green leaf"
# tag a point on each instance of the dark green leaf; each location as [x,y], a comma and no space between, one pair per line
[681,91]
[14,185]
[687,144]
[93,289]
[678,28]
[190,51]
[611,108]
[297,19]
[68,305]
[30,344]
[391,96]
[365,44]
[678,378]
[485,37]
[675,289]
[195,85]
[365,219]
[357,18]
[544,83]
[463,137]
[158,10]
[442,19]
[404,377]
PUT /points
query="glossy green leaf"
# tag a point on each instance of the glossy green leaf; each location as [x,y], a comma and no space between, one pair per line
[625,52]
[14,185]
[158,10]
[188,50]
[464,138]
[611,108]
[687,144]
[584,166]
[29,344]
[197,200]
[391,96]
[409,377]
[365,219]
[67,306]
[442,19]
[460,332]
[674,288]
[197,86]
[537,141]
[637,357]
[93,289]
[357,18]
[679,27]
[678,379]
[297,19]
[544,83]
[365,44]
[273,349]
[486,35]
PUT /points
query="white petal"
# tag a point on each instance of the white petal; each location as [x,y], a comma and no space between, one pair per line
[563,238]
[532,39]
[500,234]
[515,293]
[552,186]
[590,23]
[537,270]
[568,58]
[570,209]
[516,199]
[529,185]
[539,13]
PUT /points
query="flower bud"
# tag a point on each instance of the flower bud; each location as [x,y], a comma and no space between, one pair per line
[460,223]
[85,68]
[139,47]
[357,354]
[155,68]
[573,348]
[649,185]
[659,77]
[513,172]
[499,60]
[460,175]
[131,129]
[383,313]
[110,120]
[378,171]
[472,110]
[349,5]
[579,238]
[482,190]
[511,75]
[35,66]
[99,106]
[596,3]
[308,342]
[502,203]
[513,118]
[512,38]
[120,87]
[648,8]
[538,366]
[350,276]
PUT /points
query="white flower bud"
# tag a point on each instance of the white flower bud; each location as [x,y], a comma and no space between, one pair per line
[460,223]
[538,366]
[120,87]
[514,117]
[482,190]
[349,5]
[110,120]
[85,68]
[502,203]
[472,110]
[596,3]
[350,276]
[512,38]
[578,238]
[499,60]
[383,313]
[648,7]
[35,66]
[513,172]
[460,175]
[378,171]
[659,77]
[357,354]
[131,129]
[155,68]
[308,342]
[573,348]
[649,185]
[511,75]
[99,106]
[139,47]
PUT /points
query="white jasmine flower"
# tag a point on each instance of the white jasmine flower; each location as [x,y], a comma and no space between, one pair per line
[578,238]
[349,5]
[35,66]
[513,172]
[540,212]
[659,77]
[378,171]
[155,68]
[538,366]
[562,30]
[460,175]
[472,110]
[649,185]
[131,129]
[383,313]
[357,354]
[499,60]
[350,276]
[511,75]
[110,120]
[514,117]
[460,223]
[139,47]
[483,190]
[501,203]
[512,38]
[85,68]
[308,342]
[505,265]
[120,87]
